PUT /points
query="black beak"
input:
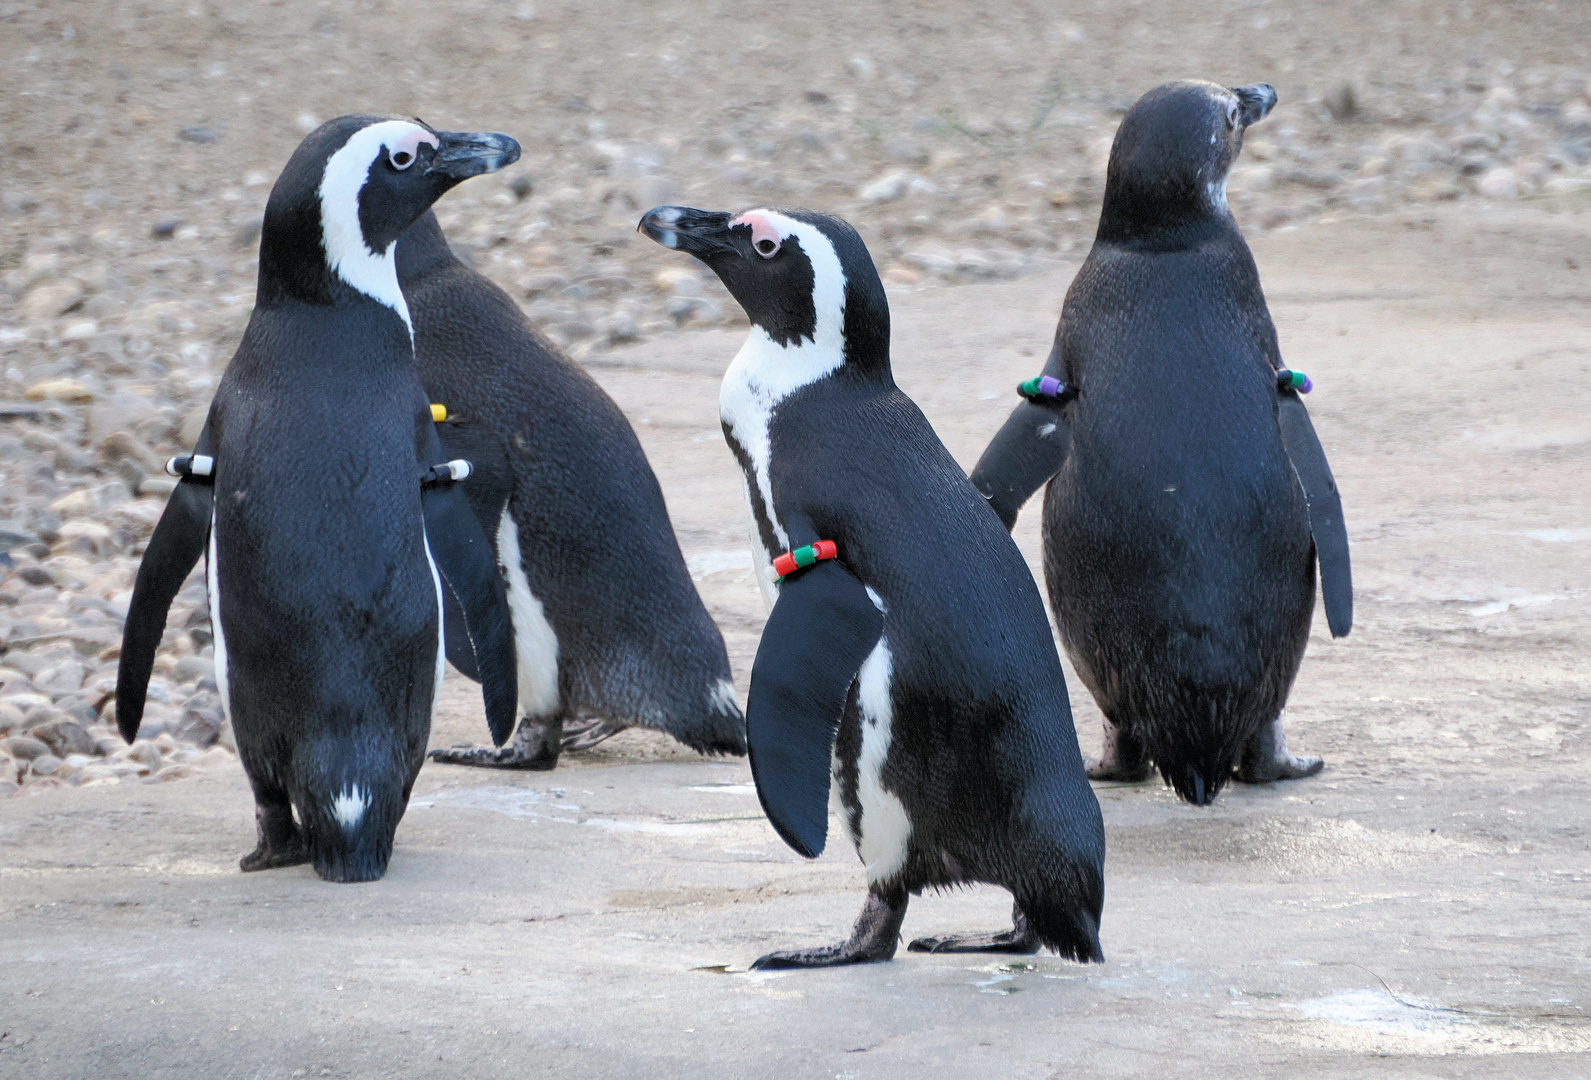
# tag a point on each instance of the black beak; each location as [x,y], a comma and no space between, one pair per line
[1255,101]
[463,154]
[696,232]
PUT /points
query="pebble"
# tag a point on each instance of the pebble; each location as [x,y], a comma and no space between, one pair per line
[67,390]
[1498,183]
[51,300]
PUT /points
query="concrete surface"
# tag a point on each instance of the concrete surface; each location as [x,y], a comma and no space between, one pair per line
[1420,909]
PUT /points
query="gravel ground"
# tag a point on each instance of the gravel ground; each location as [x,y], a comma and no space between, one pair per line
[965,144]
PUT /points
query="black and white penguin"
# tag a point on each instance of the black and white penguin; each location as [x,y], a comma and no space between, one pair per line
[327,507]
[1189,497]
[608,623]
[907,658]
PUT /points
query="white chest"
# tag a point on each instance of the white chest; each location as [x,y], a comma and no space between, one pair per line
[762,375]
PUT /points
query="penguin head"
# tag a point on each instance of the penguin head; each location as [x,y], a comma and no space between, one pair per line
[1171,155]
[349,191]
[805,279]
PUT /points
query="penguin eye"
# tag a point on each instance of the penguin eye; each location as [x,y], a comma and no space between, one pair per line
[766,248]
[1231,115]
[401,159]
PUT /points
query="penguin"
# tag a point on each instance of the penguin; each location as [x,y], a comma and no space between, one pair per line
[1189,500]
[608,624]
[328,512]
[907,666]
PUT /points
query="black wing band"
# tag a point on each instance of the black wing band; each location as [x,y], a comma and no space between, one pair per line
[821,630]
[1325,511]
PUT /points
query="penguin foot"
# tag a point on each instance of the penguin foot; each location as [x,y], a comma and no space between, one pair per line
[1020,940]
[1104,768]
[873,940]
[492,757]
[1122,758]
[281,842]
[584,734]
[534,747]
[1266,760]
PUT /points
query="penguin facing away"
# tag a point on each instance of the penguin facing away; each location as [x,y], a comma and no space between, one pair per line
[1188,498]
[907,666]
[607,621]
[329,514]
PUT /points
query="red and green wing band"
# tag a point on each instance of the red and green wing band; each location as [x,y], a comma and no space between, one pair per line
[791,561]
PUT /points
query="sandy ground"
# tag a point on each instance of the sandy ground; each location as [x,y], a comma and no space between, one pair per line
[1419,909]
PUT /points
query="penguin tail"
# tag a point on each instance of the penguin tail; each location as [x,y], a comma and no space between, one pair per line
[1065,922]
[349,804]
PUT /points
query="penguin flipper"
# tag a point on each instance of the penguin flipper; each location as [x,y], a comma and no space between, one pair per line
[1021,458]
[456,635]
[822,628]
[467,561]
[178,541]
[1325,511]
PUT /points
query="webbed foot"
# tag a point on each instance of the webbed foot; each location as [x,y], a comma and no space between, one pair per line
[1123,758]
[1020,940]
[873,939]
[1265,758]
[281,842]
[584,734]
[534,746]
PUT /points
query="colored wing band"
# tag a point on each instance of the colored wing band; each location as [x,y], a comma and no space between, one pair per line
[1293,380]
[791,561]
[438,412]
[447,472]
[1044,388]
[192,467]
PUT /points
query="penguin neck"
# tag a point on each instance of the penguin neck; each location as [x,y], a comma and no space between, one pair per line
[1168,217]
[423,250]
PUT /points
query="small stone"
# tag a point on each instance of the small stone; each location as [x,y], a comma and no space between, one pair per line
[521,187]
[49,301]
[192,669]
[887,188]
[46,765]
[1342,103]
[82,330]
[1273,216]
[901,275]
[65,678]
[26,747]
[991,219]
[36,575]
[60,390]
[165,228]
[65,737]
[1498,183]
[198,134]
[678,280]
[145,753]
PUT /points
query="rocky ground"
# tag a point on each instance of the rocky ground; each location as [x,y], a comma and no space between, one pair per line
[964,144]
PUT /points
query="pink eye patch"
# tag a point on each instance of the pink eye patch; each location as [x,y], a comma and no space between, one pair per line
[765,238]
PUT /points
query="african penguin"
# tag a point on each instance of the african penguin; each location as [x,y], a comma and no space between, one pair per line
[1188,495]
[607,621]
[907,664]
[329,513]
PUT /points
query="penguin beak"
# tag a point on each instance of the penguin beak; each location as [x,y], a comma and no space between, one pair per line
[463,154]
[701,233]
[1254,102]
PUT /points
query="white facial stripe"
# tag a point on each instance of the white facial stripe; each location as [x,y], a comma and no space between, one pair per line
[373,273]
[764,372]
